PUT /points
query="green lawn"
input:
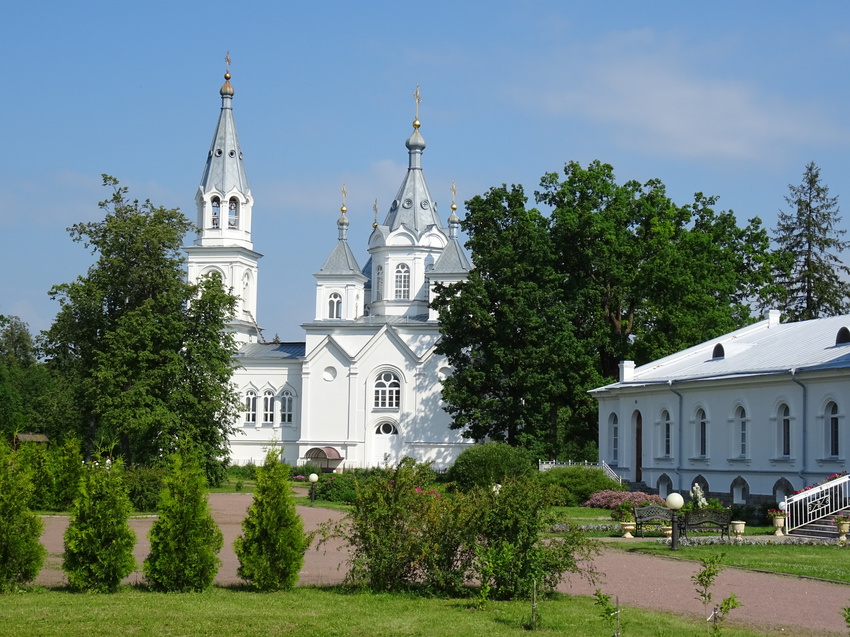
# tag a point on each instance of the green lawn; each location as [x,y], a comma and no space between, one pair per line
[311,611]
[827,561]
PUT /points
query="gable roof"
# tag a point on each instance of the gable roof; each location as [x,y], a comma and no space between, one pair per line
[764,348]
[271,350]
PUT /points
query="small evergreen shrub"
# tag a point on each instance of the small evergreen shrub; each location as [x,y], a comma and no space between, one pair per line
[21,553]
[574,485]
[35,459]
[144,486]
[99,542]
[337,487]
[185,539]
[612,500]
[489,464]
[272,545]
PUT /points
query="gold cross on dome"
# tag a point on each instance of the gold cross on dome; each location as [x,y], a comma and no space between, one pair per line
[227,61]
[418,97]
[344,193]
[454,191]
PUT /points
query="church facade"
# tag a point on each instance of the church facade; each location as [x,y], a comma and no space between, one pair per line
[751,416]
[364,387]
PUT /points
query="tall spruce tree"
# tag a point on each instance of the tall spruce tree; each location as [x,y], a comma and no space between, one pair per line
[149,354]
[810,280]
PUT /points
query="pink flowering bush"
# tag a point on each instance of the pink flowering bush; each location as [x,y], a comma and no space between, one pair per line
[615,499]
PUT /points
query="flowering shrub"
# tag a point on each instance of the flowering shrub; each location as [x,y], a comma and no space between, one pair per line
[834,476]
[334,487]
[614,499]
[775,513]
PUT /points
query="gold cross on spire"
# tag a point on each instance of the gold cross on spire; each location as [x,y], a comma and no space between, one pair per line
[344,195]
[227,61]
[418,97]
[375,208]
[454,191]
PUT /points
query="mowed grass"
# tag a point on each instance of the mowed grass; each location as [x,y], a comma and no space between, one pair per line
[322,612]
[830,562]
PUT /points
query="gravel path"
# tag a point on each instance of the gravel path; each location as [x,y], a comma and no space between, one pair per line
[793,605]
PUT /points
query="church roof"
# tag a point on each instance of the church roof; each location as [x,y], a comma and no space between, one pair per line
[764,348]
[225,169]
[413,206]
[272,350]
[341,261]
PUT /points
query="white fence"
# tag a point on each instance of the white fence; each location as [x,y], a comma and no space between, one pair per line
[817,502]
[545,465]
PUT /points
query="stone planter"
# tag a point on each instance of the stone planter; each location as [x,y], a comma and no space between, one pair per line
[843,530]
[779,523]
[737,527]
[667,531]
[628,527]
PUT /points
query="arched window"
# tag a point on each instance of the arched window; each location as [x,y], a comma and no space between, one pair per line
[666,434]
[386,429]
[402,281]
[613,426]
[216,212]
[701,433]
[387,391]
[251,406]
[335,306]
[379,283]
[233,213]
[286,407]
[268,407]
[718,351]
[741,431]
[843,336]
[832,429]
[784,431]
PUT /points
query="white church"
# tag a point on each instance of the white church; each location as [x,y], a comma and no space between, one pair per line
[364,387]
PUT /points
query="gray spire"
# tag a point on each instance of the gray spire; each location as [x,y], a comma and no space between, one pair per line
[225,170]
[413,206]
[341,259]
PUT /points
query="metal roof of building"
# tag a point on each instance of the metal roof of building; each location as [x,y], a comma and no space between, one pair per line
[272,350]
[764,348]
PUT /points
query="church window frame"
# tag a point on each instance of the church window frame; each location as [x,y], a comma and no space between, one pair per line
[614,428]
[387,391]
[379,283]
[740,434]
[287,407]
[251,407]
[784,414]
[666,434]
[233,214]
[386,428]
[216,213]
[402,282]
[833,429]
[335,305]
[268,407]
[701,432]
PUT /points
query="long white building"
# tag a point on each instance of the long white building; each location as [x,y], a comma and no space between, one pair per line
[753,415]
[364,387]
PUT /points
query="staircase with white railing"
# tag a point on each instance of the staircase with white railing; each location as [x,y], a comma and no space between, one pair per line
[817,502]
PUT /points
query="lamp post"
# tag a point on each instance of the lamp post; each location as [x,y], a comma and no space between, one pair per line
[313,479]
[675,502]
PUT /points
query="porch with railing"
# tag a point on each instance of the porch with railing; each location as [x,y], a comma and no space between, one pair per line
[545,465]
[817,502]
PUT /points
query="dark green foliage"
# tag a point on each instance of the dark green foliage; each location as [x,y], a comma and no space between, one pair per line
[185,539]
[243,472]
[21,552]
[574,485]
[489,464]
[99,542]
[271,548]
[144,486]
[148,355]
[336,487]
[68,469]
[35,459]
[810,279]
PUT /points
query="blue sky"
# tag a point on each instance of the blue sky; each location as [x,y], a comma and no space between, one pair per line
[731,99]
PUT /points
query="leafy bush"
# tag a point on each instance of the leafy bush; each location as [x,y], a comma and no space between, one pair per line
[34,458]
[185,539]
[574,485]
[404,535]
[99,542]
[489,464]
[271,548]
[306,469]
[242,472]
[144,486]
[612,500]
[337,487]
[67,467]
[21,553]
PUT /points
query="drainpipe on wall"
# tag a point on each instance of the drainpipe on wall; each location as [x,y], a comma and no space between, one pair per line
[678,437]
[805,424]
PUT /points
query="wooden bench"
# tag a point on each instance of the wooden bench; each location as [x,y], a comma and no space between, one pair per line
[652,514]
[707,520]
